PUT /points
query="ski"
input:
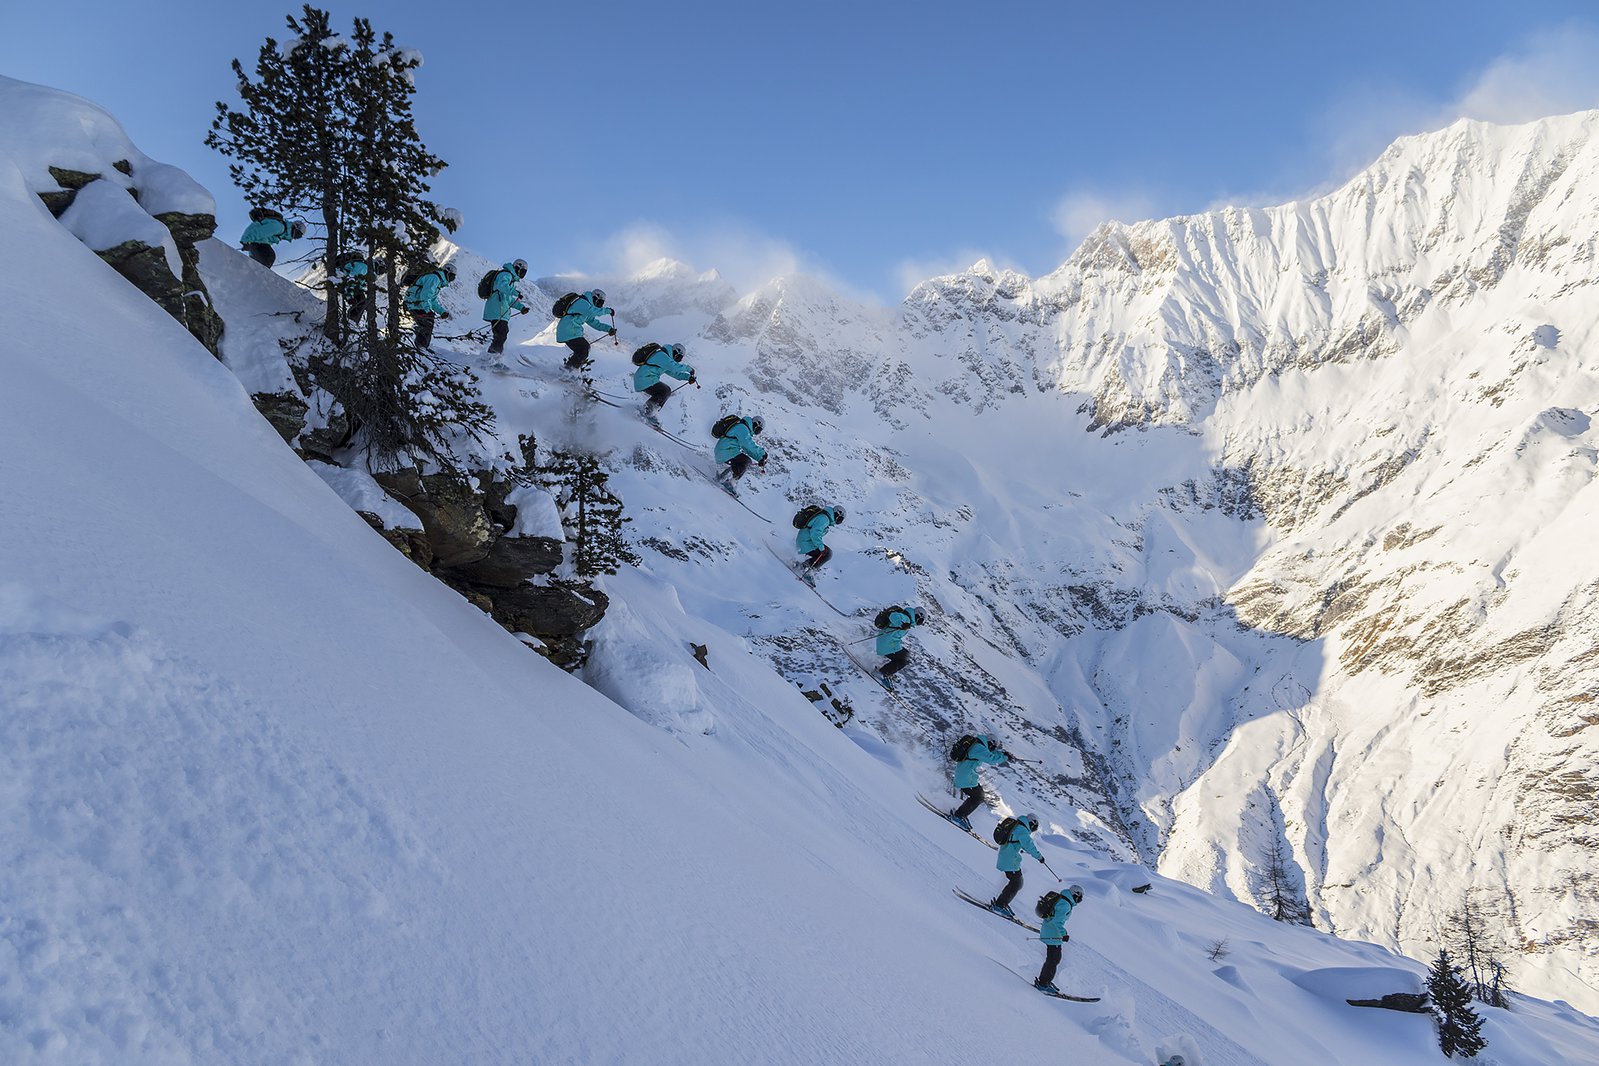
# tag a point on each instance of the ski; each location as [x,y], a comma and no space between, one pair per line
[893,693]
[793,573]
[1051,995]
[983,904]
[942,813]
[739,499]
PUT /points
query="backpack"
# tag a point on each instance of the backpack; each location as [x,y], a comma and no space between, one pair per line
[722,426]
[1004,829]
[642,356]
[564,304]
[259,213]
[883,619]
[485,285]
[963,748]
[806,516]
[1045,908]
[413,274]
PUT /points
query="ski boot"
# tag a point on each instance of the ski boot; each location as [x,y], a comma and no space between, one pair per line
[886,680]
[498,365]
[960,820]
[1000,909]
[1046,987]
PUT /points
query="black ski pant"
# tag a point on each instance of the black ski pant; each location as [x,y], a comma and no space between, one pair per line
[657,394]
[974,800]
[1046,976]
[499,331]
[738,464]
[354,297]
[424,327]
[896,662]
[580,352]
[262,253]
[818,559]
[1013,885]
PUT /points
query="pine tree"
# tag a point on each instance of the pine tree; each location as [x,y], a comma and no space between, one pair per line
[591,512]
[293,140]
[391,168]
[1459,1027]
[1283,902]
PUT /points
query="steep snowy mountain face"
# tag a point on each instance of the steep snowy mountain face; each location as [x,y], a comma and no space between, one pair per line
[1262,529]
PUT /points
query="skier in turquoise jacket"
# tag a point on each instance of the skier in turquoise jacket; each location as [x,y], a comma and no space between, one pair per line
[809,541]
[583,311]
[1018,840]
[984,750]
[422,301]
[267,228]
[502,300]
[668,360]
[1053,932]
[891,639]
[353,276]
[737,447]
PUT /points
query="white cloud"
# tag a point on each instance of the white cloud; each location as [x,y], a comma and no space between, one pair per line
[1554,72]
[1078,213]
[745,258]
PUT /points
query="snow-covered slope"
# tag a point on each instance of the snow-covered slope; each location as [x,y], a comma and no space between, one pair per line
[282,797]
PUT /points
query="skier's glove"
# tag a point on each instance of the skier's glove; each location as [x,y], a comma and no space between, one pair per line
[692,380]
[444,315]
[761,461]
[611,332]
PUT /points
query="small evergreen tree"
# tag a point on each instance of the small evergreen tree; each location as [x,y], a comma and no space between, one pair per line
[293,141]
[1459,1027]
[1283,901]
[392,167]
[591,512]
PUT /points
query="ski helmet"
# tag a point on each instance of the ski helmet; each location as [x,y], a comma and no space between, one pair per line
[297,230]
[1176,1060]
[520,266]
[1076,892]
[757,423]
[449,273]
[599,297]
[919,615]
[838,516]
[1031,820]
[678,351]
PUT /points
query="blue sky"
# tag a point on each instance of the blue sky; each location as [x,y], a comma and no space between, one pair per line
[871,142]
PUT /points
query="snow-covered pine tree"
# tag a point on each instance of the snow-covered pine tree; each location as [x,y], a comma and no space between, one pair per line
[1459,1027]
[591,512]
[392,167]
[292,141]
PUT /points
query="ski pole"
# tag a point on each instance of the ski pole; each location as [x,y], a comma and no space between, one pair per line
[1051,870]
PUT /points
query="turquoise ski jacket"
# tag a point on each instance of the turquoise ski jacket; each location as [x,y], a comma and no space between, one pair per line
[504,299]
[267,231]
[741,438]
[1053,931]
[810,538]
[581,313]
[423,295]
[659,363]
[1010,855]
[892,639]
[980,753]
